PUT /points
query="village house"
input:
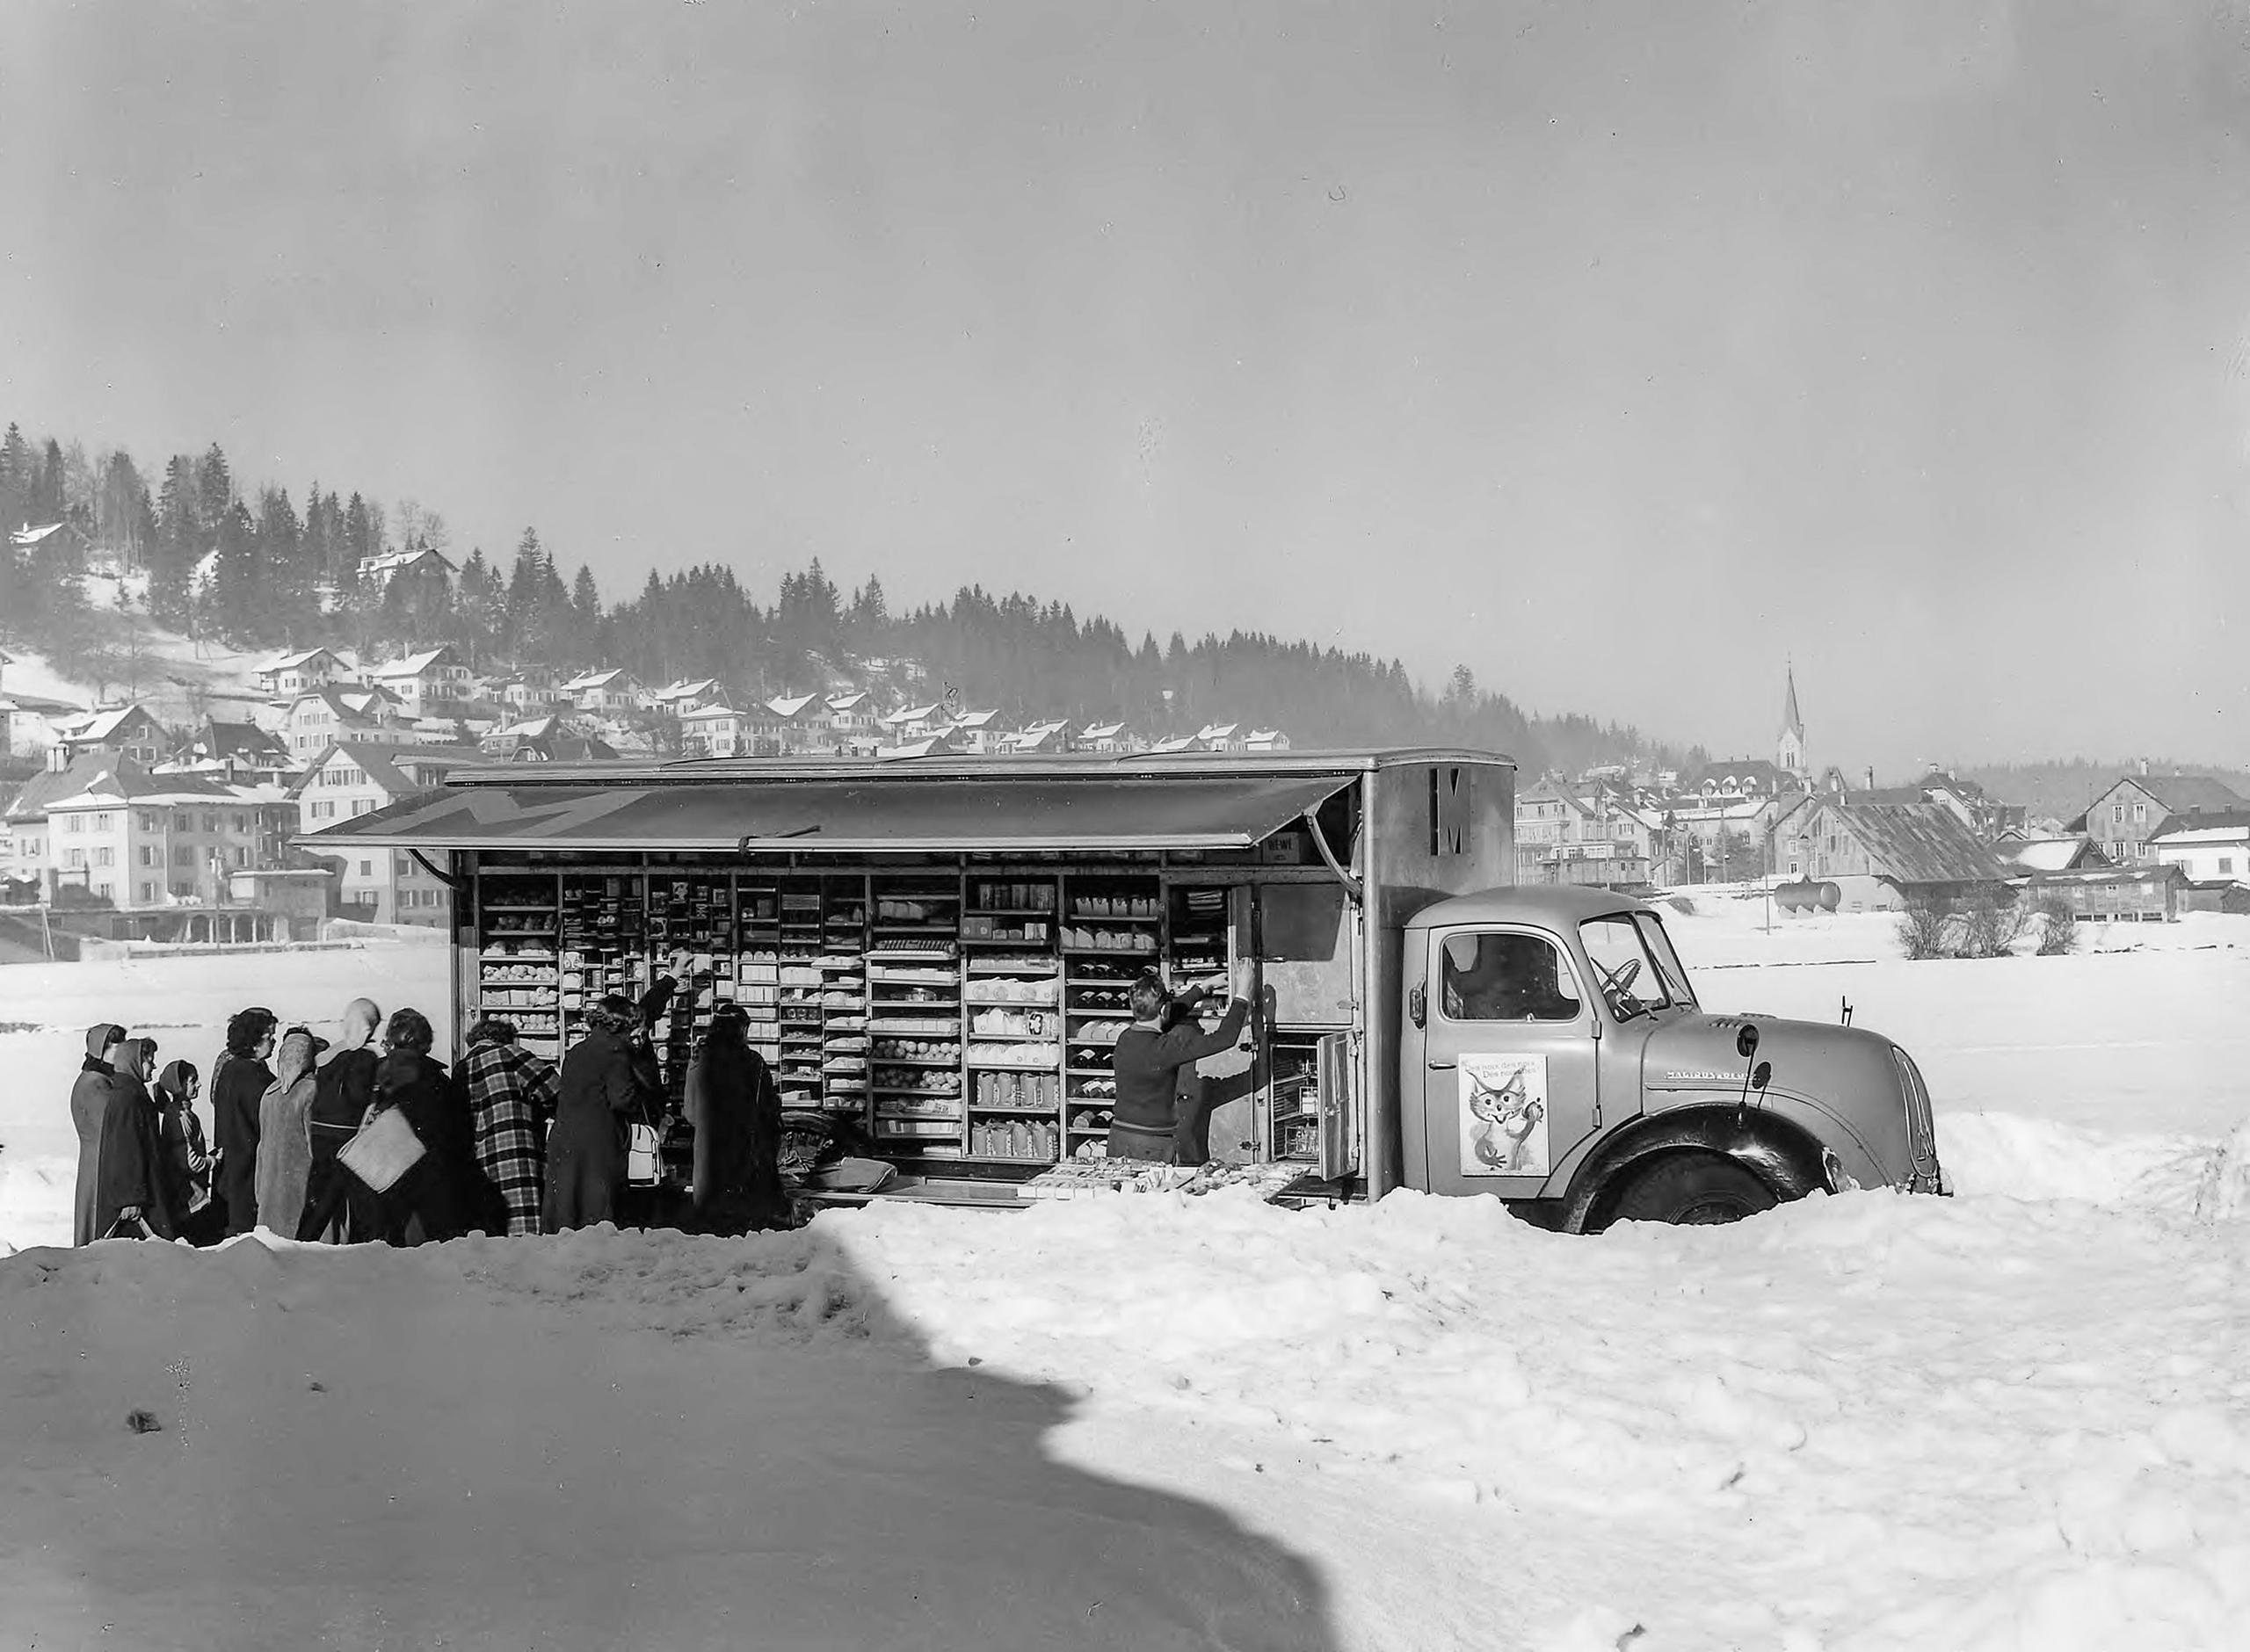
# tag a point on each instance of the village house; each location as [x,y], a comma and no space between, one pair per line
[2145,894]
[1110,738]
[549,739]
[122,731]
[913,722]
[531,691]
[1042,739]
[978,733]
[611,692]
[681,697]
[232,751]
[855,721]
[2209,848]
[377,572]
[1221,737]
[716,728]
[30,724]
[326,715]
[138,840]
[1887,856]
[379,886]
[2125,818]
[801,722]
[1265,740]
[295,674]
[432,684]
[941,744]
[2033,856]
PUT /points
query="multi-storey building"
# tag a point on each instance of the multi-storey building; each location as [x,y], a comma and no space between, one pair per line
[353,779]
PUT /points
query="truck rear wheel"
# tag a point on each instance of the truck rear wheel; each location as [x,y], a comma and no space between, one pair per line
[1693,1188]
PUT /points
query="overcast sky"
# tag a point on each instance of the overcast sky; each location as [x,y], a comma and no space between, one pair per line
[1621,353]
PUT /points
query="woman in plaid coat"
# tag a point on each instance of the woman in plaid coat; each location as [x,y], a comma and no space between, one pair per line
[511,1098]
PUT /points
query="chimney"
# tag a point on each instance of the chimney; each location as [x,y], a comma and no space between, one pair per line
[2143,766]
[1870,777]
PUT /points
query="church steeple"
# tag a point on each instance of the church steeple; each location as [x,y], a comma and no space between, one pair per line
[1789,748]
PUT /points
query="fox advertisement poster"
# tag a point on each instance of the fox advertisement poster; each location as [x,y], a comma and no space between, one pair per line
[1504,1115]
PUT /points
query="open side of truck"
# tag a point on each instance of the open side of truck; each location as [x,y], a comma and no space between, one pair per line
[934,954]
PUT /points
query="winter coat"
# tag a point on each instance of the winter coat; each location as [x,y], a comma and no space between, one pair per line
[186,1154]
[432,1192]
[90,1096]
[607,1083]
[284,1148]
[133,1168]
[237,1094]
[736,1115]
[511,1096]
[1147,1066]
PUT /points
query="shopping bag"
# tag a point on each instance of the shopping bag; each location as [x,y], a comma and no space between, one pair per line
[642,1159]
[385,1148]
[125,1226]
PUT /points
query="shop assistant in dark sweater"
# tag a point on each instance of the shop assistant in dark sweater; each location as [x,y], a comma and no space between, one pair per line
[1147,1063]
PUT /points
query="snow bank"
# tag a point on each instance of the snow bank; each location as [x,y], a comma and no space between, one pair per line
[1855,1424]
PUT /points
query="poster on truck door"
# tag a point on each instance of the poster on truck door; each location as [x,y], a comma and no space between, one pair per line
[1503,1115]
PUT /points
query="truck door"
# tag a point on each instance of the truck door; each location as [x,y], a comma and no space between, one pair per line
[1511,1080]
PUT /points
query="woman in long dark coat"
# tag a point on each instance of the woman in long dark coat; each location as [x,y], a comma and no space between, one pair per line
[90,1096]
[237,1093]
[737,1114]
[609,1079]
[134,1180]
[427,1202]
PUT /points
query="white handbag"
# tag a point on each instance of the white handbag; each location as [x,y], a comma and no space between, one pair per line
[384,1149]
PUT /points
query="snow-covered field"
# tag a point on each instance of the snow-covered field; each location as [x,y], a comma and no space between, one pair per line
[2017,1420]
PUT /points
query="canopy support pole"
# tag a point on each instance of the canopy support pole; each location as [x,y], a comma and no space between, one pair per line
[1353,886]
[447,878]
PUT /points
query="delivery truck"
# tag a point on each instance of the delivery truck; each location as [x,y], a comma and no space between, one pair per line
[936,952]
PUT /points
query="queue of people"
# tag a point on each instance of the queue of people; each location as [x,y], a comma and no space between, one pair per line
[503,1142]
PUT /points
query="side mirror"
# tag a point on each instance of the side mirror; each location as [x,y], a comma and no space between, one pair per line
[1761,1074]
[1745,1041]
[1417,1004]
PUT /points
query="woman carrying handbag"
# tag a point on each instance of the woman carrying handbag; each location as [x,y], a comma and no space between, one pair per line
[134,1196]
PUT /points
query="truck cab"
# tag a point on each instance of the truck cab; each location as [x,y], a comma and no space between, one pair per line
[1552,1053]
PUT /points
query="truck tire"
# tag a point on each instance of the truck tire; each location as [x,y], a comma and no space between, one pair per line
[1693,1188]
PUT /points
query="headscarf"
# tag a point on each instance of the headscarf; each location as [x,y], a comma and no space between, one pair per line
[172,1084]
[99,1037]
[133,1058]
[295,1059]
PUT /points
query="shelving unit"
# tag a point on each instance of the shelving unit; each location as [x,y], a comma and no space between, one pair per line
[519,971]
[913,1015]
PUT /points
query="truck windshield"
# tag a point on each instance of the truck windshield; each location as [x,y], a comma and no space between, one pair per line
[1660,945]
[1638,974]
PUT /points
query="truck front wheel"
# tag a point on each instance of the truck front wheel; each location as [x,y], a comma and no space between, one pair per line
[1692,1187]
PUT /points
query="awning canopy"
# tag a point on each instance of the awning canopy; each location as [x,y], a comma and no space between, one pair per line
[999,815]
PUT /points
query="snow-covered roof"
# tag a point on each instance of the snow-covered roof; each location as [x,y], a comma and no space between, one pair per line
[99,725]
[1176,743]
[710,711]
[2045,854]
[2222,826]
[789,706]
[1216,731]
[912,715]
[413,664]
[686,690]
[391,562]
[848,703]
[1105,731]
[595,679]
[24,537]
[291,662]
[975,720]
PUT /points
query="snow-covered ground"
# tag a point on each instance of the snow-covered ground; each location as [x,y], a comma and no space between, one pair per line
[2016,1419]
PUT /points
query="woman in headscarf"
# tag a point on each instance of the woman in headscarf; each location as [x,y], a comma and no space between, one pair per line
[187,1159]
[284,1154]
[134,1186]
[737,1114]
[90,1094]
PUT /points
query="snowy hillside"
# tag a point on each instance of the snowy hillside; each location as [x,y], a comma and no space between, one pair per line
[2015,1419]
[178,678]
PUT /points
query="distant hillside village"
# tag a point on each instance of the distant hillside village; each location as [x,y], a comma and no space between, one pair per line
[2147,847]
[187,830]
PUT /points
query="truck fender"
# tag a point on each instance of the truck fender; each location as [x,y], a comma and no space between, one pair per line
[1782,1155]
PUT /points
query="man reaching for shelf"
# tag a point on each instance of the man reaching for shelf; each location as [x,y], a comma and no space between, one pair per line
[1149,1064]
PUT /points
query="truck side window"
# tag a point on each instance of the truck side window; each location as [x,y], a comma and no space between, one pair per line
[1502,976]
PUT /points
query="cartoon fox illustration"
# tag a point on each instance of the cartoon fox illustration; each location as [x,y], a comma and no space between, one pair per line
[1506,1118]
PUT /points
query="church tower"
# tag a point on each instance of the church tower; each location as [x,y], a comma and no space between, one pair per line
[1788,747]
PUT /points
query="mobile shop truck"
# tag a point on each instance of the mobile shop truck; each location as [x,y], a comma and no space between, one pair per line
[936,950]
